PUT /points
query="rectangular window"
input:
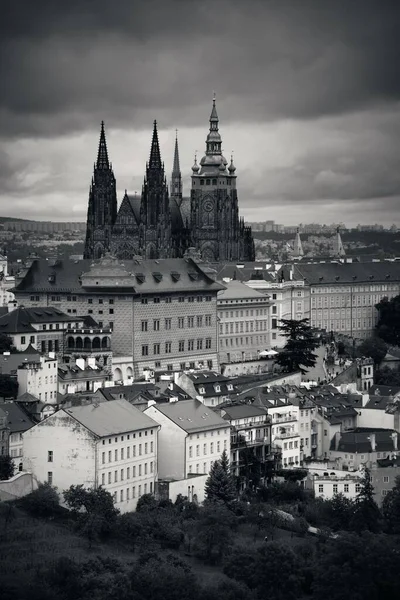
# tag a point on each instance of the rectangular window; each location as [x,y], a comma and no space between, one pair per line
[346,488]
[208,343]
[156,300]
[121,495]
[115,476]
[190,345]
[145,350]
[181,322]
[199,321]
[50,456]
[128,472]
[200,344]
[122,454]
[181,346]
[156,348]
[134,492]
[140,450]
[109,477]
[103,458]
[109,456]
[190,322]
[208,320]
[144,325]
[143,300]
[122,474]
[156,325]
[23,339]
[103,478]
[321,489]
[50,477]
[168,347]
[168,323]
[335,488]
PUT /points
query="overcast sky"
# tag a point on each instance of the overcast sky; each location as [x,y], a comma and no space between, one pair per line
[308,95]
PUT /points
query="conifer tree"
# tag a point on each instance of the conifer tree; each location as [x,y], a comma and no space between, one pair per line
[298,353]
[366,516]
[220,485]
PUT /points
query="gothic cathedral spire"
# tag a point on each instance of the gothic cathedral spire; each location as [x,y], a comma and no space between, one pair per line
[176,177]
[155,155]
[102,208]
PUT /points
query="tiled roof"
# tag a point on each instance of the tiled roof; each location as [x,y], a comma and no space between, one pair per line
[71,373]
[359,442]
[191,415]
[378,402]
[236,290]
[384,390]
[17,419]
[242,411]
[342,273]
[20,320]
[111,418]
[10,363]
[177,275]
[244,271]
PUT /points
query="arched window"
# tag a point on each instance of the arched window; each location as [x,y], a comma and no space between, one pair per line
[105,342]
[78,342]
[87,344]
[96,343]
[201,181]
[207,181]
[71,342]
[214,182]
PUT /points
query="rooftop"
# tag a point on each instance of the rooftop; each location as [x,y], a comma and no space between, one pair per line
[10,363]
[111,418]
[236,290]
[20,320]
[138,276]
[359,441]
[344,273]
[191,415]
[242,411]
[17,419]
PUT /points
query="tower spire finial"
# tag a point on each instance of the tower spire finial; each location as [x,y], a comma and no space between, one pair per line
[155,155]
[102,155]
[176,171]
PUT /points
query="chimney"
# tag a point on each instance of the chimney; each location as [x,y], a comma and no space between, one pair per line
[338,435]
[395,438]
[80,363]
[365,399]
[372,439]
[12,305]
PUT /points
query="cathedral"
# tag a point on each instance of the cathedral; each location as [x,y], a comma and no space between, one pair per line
[162,223]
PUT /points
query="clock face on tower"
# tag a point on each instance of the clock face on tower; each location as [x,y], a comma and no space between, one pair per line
[208,205]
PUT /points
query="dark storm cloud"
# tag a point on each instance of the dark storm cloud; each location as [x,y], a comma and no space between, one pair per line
[67,65]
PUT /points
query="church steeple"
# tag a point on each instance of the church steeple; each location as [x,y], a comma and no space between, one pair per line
[338,248]
[102,155]
[298,246]
[176,177]
[102,208]
[155,155]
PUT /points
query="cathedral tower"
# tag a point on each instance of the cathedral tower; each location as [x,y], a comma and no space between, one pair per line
[176,177]
[216,230]
[338,248]
[102,208]
[155,220]
[298,246]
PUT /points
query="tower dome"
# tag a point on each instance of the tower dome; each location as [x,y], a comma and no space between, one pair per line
[195,167]
[231,167]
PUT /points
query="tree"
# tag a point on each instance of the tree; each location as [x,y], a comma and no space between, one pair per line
[8,386]
[99,513]
[6,467]
[366,516]
[146,503]
[391,508]
[6,343]
[220,485]
[388,325]
[42,502]
[387,376]
[361,567]
[298,353]
[340,511]
[214,532]
[374,348]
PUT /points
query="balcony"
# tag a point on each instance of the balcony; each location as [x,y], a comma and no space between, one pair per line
[284,419]
[286,434]
[241,442]
[252,425]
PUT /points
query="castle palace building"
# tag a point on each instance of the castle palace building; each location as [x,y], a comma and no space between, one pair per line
[165,224]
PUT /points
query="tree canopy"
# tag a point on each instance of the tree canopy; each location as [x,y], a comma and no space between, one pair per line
[391,508]
[6,467]
[388,325]
[374,348]
[298,353]
[220,485]
[366,515]
[6,343]
[8,386]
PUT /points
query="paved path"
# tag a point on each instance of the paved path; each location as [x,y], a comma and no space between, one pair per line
[318,370]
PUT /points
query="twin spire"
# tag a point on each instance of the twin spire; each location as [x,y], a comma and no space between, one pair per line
[102,155]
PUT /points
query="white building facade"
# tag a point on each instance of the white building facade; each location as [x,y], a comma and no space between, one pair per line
[39,378]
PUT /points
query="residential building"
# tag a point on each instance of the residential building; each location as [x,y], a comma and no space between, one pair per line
[243,322]
[39,378]
[41,328]
[209,387]
[18,422]
[383,477]
[250,430]
[328,486]
[81,377]
[363,447]
[9,363]
[108,444]
[4,434]
[163,313]
[191,438]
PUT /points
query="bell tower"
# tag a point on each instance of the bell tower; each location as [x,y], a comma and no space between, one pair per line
[102,208]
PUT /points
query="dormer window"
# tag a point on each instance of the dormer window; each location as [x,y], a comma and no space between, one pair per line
[202,390]
[230,387]
[217,388]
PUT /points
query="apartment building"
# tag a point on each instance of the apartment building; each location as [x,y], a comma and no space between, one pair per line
[191,438]
[209,387]
[112,444]
[81,376]
[39,378]
[243,322]
[250,429]
[364,447]
[18,422]
[163,312]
